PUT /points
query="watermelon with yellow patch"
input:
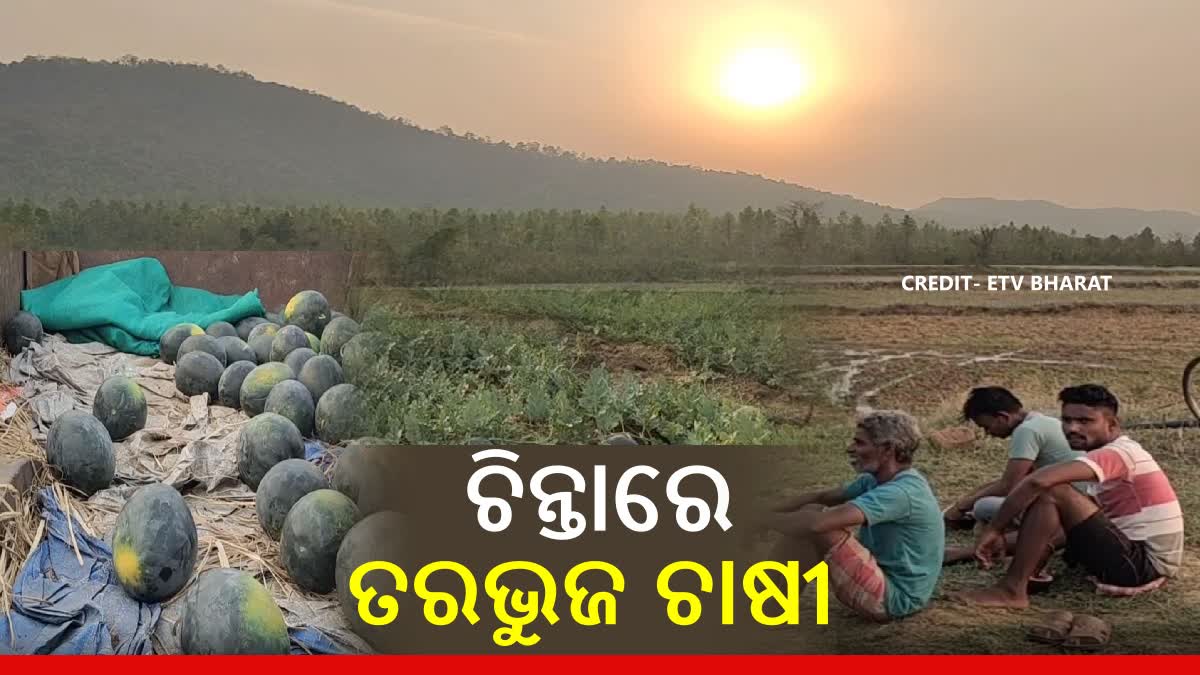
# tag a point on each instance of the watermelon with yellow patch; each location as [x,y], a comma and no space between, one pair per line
[312,533]
[154,543]
[309,310]
[120,405]
[172,339]
[258,385]
[264,328]
[228,612]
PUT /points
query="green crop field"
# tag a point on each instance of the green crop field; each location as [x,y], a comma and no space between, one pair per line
[786,364]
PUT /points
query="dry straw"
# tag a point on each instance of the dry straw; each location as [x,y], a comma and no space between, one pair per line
[21,526]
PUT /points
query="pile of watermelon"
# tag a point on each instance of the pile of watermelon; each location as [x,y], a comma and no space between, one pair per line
[284,371]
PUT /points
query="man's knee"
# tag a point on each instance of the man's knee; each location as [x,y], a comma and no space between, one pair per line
[985,508]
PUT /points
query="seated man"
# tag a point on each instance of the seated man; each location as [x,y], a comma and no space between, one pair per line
[1036,441]
[891,569]
[1132,540]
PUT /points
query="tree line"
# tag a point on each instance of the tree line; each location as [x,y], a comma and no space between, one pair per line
[440,246]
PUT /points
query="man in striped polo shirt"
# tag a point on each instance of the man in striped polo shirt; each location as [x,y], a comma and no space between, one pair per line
[1131,541]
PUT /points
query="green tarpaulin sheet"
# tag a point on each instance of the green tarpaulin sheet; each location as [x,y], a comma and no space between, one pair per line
[128,305]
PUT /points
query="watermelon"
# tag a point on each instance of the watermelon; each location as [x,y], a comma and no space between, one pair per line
[314,342]
[228,612]
[320,374]
[282,486]
[261,346]
[120,405]
[292,400]
[363,473]
[378,536]
[363,354]
[198,373]
[340,414]
[298,358]
[80,449]
[246,325]
[312,533]
[229,388]
[258,384]
[236,350]
[203,343]
[154,543]
[220,329]
[339,331]
[288,338]
[265,328]
[265,441]
[309,310]
[169,343]
[21,331]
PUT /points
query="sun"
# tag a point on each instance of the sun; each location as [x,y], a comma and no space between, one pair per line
[764,77]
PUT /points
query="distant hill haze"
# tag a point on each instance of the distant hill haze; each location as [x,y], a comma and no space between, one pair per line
[150,130]
[960,212]
[154,130]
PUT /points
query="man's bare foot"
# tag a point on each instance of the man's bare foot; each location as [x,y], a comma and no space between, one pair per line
[993,596]
[958,554]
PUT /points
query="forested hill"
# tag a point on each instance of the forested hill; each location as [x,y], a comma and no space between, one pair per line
[156,130]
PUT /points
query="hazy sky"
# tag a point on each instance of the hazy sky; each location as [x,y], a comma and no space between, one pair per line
[1087,103]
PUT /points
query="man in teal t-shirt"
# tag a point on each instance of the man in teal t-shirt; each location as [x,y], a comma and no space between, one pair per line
[890,570]
[1035,441]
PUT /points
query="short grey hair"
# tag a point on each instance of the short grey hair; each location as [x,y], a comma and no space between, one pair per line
[892,428]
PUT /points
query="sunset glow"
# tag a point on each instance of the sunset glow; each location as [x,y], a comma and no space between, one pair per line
[764,77]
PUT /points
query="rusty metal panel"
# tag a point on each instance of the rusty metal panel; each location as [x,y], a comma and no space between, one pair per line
[278,275]
[12,280]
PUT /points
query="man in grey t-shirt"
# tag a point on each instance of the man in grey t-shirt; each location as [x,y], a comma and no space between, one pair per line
[1035,441]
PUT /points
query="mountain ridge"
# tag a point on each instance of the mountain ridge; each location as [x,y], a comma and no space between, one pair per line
[145,129]
[164,130]
[1099,221]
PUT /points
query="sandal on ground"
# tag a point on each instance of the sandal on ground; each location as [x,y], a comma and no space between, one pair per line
[1053,629]
[1088,633]
[1039,583]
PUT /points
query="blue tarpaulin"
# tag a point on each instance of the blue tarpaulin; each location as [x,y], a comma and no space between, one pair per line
[62,607]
